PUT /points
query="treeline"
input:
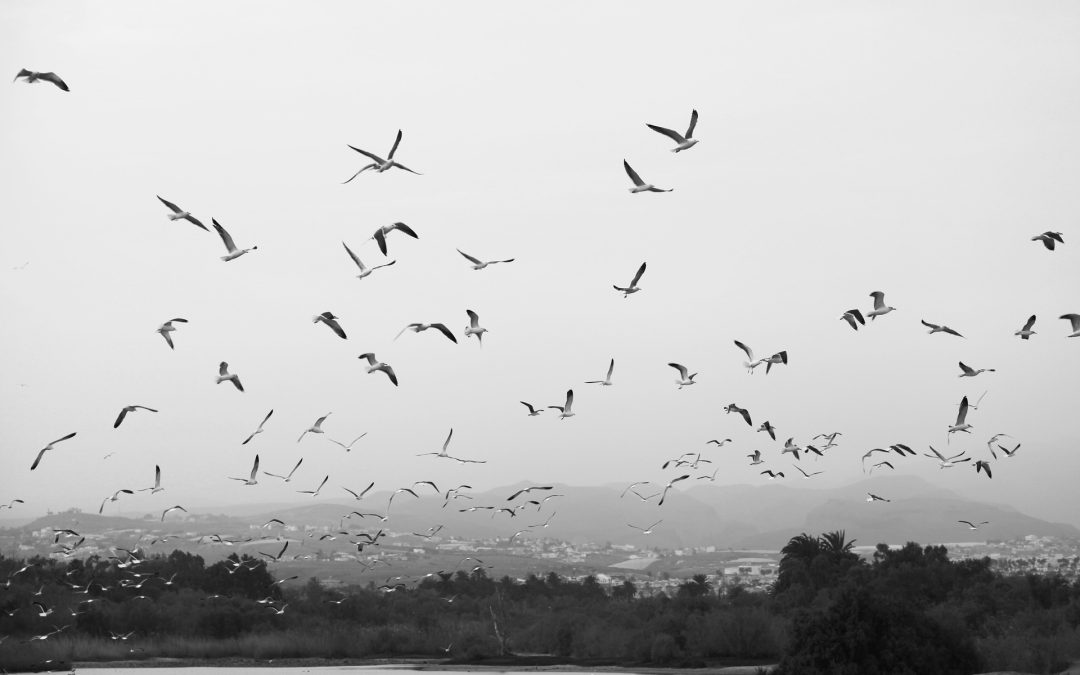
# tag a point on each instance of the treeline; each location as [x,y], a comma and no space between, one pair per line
[909,610]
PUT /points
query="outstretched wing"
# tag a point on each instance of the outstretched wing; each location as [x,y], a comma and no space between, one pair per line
[445,331]
[633,174]
[369,155]
[225,236]
[693,124]
[673,135]
[469,257]
[749,352]
[397,142]
[406,229]
[637,277]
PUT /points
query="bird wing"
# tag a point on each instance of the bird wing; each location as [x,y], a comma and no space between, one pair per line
[1030,322]
[673,135]
[693,124]
[569,399]
[168,339]
[406,229]
[254,468]
[680,368]
[637,277]
[352,255]
[879,299]
[474,320]
[397,142]
[402,166]
[633,174]
[858,316]
[950,331]
[173,207]
[369,155]
[527,405]
[469,257]
[749,352]
[745,415]
[929,325]
[120,417]
[389,373]
[610,369]
[1074,319]
[334,326]
[445,331]
[966,369]
[54,78]
[71,435]
[225,236]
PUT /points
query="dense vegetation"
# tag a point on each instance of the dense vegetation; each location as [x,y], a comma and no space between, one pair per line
[909,610]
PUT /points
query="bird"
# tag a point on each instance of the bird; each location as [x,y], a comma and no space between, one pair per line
[127,409]
[533,411]
[478,264]
[375,365]
[606,382]
[115,497]
[364,269]
[250,480]
[166,328]
[528,490]
[971,372]
[947,462]
[421,327]
[259,430]
[871,497]
[768,428]
[934,328]
[565,409]
[755,458]
[315,492]
[645,530]
[156,488]
[280,553]
[775,359]
[180,214]
[640,185]
[983,465]
[1026,331]
[973,526]
[772,474]
[379,164]
[172,508]
[363,492]
[230,246]
[445,445]
[854,318]
[1049,239]
[880,308]
[1073,319]
[682,142]
[669,485]
[224,375]
[888,464]
[710,478]
[348,448]
[961,419]
[32,76]
[41,453]
[633,287]
[805,475]
[1008,452]
[684,379]
[750,363]
[993,440]
[474,327]
[731,407]
[790,447]
[330,320]
[288,477]
[718,443]
[43,611]
[314,428]
[381,234]
[11,504]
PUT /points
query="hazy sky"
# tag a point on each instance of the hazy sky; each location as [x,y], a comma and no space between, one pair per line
[911,148]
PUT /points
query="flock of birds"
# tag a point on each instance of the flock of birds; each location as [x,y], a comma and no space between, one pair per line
[646,491]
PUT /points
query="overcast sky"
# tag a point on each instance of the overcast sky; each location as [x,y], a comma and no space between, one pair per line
[845,148]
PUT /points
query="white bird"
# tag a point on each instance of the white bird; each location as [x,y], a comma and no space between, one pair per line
[768,428]
[381,234]
[348,448]
[934,328]
[805,475]
[1008,452]
[776,359]
[180,214]
[172,508]
[375,365]
[684,379]
[166,328]
[990,443]
[565,410]
[750,363]
[115,497]
[127,409]
[982,465]
[314,428]
[670,484]
[947,462]
[1049,239]
[230,246]
[364,269]
[420,327]
[971,372]
[854,318]
[41,453]
[474,327]
[633,287]
[445,445]
[961,419]
[640,185]
[645,530]
[790,447]
[379,164]
[363,492]
[315,492]
[1074,319]
[250,480]
[533,412]
[773,474]
[31,76]
[1026,331]
[606,382]
[871,497]
[682,142]
[480,264]
[718,443]
[732,408]
[156,488]
[224,375]
[973,526]
[330,320]
[880,308]
[288,477]
[259,430]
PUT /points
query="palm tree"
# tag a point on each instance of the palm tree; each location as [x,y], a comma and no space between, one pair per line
[834,544]
[797,555]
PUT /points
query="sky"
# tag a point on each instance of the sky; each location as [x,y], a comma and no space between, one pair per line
[844,148]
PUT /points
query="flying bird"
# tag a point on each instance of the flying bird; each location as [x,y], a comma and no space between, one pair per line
[854,318]
[1073,319]
[755,458]
[31,76]
[172,508]
[230,245]
[250,480]
[128,409]
[478,264]
[363,492]
[633,287]
[284,478]
[565,409]
[474,327]
[156,488]
[871,497]
[682,142]
[1008,452]
[947,462]
[718,443]
[533,412]
[684,379]
[983,465]
[445,445]
[259,430]
[731,407]
[364,269]
[880,308]
[379,164]
[1026,331]
[224,376]
[315,492]
[935,328]
[115,497]
[384,231]
[180,214]
[805,475]
[640,185]
[971,372]
[421,327]
[961,419]
[772,474]
[973,526]
[375,365]
[166,328]
[645,530]
[330,320]
[314,428]
[528,490]
[606,382]
[41,453]
[1049,239]
[750,363]
[670,484]
[790,447]
[768,428]
[348,448]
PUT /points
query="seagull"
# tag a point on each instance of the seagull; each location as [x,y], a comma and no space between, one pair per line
[375,365]
[1026,331]
[854,318]
[315,492]
[645,530]
[631,487]
[719,443]
[682,142]
[711,478]
[420,327]
[381,234]
[888,464]
[947,462]
[773,475]
[669,486]
[633,287]
[474,327]
[775,359]
[32,76]
[880,308]
[684,379]
[41,453]
[280,553]
[533,412]
[983,465]
[565,410]
[172,508]
[755,458]
[1008,452]
[973,526]
[348,448]
[1074,319]
[379,164]
[731,407]
[330,320]
[971,372]
[606,382]
[871,497]
[11,504]
[44,611]
[259,430]
[789,446]
[364,269]
[115,497]
[528,490]
[1049,239]
[157,482]
[315,428]
[224,375]
[993,440]
[445,445]
[805,475]
[166,328]
[751,363]
[250,480]
[180,214]
[640,185]
[127,409]
[768,428]
[934,328]
[479,264]
[961,419]
[363,492]
[230,246]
